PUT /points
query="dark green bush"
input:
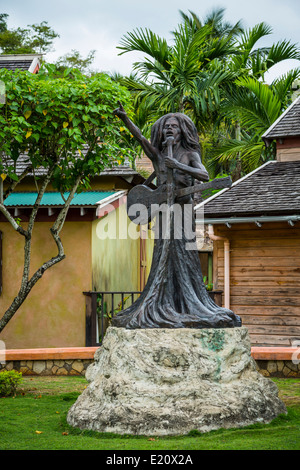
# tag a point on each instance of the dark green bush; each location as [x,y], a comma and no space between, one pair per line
[9,380]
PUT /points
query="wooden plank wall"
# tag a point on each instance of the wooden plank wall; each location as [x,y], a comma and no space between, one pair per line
[264,280]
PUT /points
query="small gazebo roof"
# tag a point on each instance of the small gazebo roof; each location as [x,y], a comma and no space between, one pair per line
[29,62]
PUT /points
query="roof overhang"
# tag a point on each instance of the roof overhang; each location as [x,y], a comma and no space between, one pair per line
[290,219]
[107,205]
[267,136]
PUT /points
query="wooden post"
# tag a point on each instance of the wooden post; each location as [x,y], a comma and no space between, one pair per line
[90,318]
[94,319]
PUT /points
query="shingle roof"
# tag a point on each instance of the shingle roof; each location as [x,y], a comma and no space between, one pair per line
[23,162]
[54,199]
[13,64]
[274,189]
[20,61]
[287,125]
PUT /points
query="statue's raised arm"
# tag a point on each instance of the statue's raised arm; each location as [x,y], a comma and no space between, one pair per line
[149,150]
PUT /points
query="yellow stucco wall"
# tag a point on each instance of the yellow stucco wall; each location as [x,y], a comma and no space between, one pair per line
[53,315]
[116,258]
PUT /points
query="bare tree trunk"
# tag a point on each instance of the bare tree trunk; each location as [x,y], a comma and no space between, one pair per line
[25,290]
[28,283]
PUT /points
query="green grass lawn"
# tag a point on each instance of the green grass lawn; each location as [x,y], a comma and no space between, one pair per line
[35,419]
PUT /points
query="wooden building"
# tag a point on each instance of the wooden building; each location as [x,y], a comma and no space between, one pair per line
[255,226]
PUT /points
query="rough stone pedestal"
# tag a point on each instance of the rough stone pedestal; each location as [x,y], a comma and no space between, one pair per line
[171,381]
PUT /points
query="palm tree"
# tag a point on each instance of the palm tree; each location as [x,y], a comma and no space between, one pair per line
[254,105]
[170,76]
[214,72]
[215,19]
[249,106]
[256,61]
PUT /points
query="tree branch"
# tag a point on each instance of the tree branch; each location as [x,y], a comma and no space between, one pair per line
[27,247]
[12,221]
[15,183]
[25,290]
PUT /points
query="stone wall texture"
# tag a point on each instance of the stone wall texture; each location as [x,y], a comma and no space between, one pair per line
[49,367]
[281,369]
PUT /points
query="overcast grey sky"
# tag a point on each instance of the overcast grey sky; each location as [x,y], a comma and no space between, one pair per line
[99,24]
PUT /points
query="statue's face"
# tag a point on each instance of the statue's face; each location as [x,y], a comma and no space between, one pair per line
[172,129]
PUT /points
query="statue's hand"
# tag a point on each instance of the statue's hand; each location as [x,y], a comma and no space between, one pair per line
[171,162]
[120,111]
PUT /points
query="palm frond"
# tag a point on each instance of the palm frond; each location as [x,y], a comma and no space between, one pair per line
[193,21]
[209,89]
[147,42]
[249,151]
[185,57]
[246,43]
[282,50]
[254,104]
[282,86]
[251,36]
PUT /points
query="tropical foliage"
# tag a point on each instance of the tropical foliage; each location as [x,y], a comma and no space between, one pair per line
[216,73]
[74,60]
[63,132]
[253,106]
[36,38]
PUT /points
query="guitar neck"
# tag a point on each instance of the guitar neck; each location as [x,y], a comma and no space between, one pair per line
[218,183]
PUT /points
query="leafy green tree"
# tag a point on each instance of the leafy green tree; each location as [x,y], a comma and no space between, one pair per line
[187,75]
[42,37]
[248,105]
[3,23]
[215,19]
[15,41]
[74,60]
[36,38]
[66,128]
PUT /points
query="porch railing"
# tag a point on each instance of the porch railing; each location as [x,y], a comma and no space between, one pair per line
[100,307]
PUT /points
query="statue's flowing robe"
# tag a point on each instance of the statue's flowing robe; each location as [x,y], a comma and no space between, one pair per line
[175,295]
